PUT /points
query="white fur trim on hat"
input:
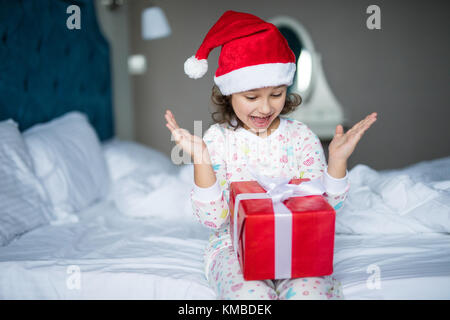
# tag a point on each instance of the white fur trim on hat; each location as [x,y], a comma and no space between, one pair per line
[254,77]
[195,68]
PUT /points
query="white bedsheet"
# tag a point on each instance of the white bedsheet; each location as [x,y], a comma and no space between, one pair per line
[118,258]
[409,266]
[116,255]
[411,200]
[124,258]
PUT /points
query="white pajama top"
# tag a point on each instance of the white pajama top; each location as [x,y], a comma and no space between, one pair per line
[292,150]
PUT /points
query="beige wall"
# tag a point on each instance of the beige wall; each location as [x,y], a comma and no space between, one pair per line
[402,71]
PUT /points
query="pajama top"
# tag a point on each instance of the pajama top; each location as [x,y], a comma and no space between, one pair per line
[292,150]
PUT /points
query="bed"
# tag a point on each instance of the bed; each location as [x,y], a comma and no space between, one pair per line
[138,239]
[116,254]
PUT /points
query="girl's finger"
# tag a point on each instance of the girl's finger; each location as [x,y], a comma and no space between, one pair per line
[362,123]
[173,120]
[370,118]
[356,129]
[170,125]
[171,128]
[366,126]
[167,114]
[369,122]
[360,129]
[173,131]
[168,118]
[177,133]
[339,129]
[169,122]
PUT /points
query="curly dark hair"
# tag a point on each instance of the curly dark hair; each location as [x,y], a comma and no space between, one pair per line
[226,112]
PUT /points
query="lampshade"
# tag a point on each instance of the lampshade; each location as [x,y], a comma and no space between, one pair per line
[154,24]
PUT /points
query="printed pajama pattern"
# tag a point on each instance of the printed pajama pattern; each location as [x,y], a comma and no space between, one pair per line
[292,150]
[225,277]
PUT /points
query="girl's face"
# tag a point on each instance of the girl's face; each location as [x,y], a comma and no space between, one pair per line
[259,107]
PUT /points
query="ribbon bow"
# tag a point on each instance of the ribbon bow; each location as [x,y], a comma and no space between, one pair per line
[279,188]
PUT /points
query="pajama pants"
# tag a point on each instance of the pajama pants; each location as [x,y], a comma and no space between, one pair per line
[226,278]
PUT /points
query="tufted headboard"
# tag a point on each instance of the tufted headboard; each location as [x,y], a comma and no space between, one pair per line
[47,70]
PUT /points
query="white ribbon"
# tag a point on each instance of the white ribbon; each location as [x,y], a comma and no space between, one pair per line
[278,189]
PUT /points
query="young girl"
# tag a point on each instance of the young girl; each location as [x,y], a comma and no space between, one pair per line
[256,66]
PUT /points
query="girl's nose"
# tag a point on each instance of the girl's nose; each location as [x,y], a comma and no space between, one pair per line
[264,108]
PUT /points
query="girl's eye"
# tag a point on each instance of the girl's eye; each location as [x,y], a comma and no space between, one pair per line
[251,98]
[276,95]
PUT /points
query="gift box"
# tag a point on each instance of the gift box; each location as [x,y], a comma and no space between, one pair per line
[275,239]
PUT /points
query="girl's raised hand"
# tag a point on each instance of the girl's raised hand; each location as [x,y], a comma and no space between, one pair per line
[193,145]
[343,144]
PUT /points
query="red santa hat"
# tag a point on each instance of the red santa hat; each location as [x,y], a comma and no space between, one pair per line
[254,54]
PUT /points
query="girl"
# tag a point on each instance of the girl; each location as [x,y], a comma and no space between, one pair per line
[256,66]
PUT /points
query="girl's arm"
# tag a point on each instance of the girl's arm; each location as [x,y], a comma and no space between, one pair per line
[343,145]
[208,201]
[208,196]
[337,168]
[313,165]
[335,177]
[204,175]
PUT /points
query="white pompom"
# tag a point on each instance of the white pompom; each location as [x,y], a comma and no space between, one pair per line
[195,68]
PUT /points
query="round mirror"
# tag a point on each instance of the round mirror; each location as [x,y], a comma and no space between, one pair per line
[301,44]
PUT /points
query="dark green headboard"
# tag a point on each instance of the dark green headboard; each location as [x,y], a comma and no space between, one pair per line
[47,70]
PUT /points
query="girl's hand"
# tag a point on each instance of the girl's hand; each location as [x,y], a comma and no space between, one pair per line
[343,145]
[193,145]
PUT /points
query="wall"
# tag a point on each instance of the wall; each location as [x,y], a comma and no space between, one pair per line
[401,71]
[114,25]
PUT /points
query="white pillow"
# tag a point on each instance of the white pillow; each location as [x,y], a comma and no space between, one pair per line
[124,157]
[144,194]
[146,183]
[24,205]
[68,159]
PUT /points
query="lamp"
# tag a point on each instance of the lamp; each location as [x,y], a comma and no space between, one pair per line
[112,4]
[154,24]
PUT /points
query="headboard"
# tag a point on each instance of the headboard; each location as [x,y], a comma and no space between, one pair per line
[47,70]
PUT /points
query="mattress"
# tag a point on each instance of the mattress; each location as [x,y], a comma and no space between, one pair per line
[142,241]
[106,256]
[406,266]
[109,256]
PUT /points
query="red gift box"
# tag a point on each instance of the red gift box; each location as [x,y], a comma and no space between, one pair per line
[301,244]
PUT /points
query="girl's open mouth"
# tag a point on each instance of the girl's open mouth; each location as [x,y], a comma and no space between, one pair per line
[260,122]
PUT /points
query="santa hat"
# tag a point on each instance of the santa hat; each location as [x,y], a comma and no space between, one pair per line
[254,54]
